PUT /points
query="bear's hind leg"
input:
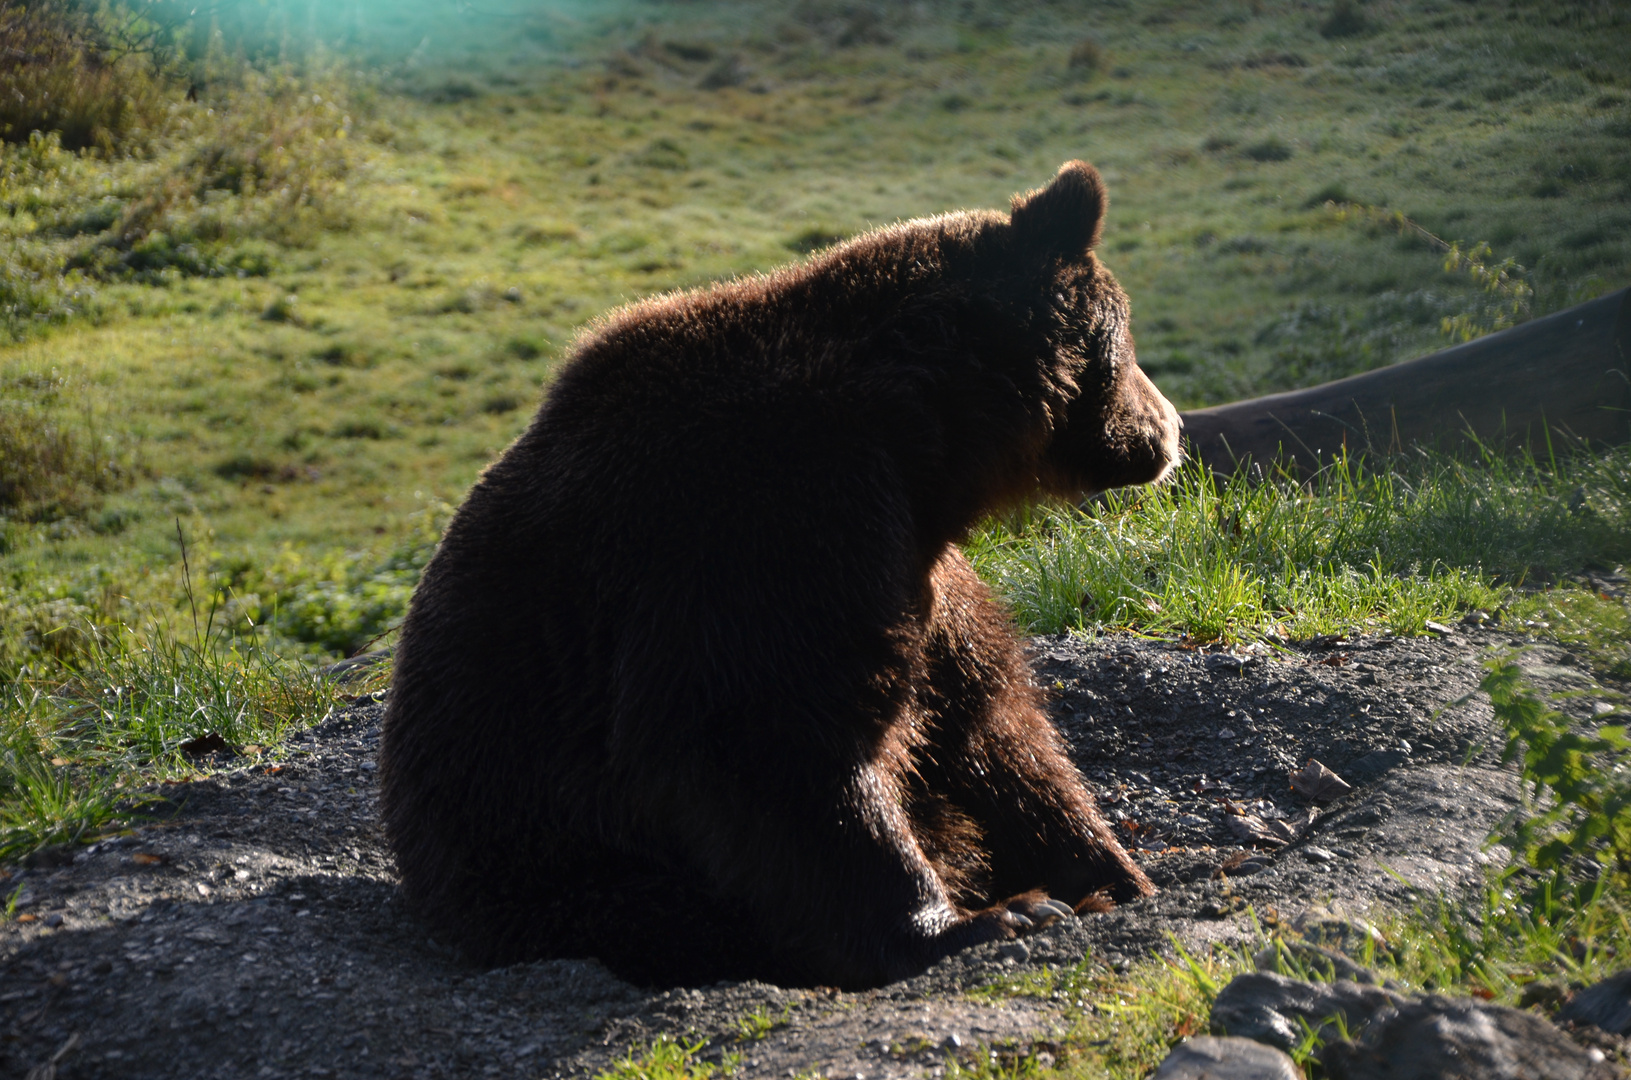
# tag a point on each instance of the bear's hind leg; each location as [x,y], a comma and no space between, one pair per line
[996,756]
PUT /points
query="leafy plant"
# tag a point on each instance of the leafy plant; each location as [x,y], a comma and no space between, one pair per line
[1506,283]
[1579,783]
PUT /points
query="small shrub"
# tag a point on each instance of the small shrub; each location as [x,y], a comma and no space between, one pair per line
[65,74]
[1087,58]
[1330,193]
[268,161]
[1270,149]
[527,348]
[246,466]
[361,427]
[1345,20]
[50,467]
[664,154]
[730,71]
[283,309]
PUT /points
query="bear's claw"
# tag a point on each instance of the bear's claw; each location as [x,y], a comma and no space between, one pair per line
[1061,910]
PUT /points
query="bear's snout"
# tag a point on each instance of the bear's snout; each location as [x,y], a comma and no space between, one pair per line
[1153,425]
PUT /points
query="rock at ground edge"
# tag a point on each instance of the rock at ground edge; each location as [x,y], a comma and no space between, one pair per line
[1209,1058]
[1440,1038]
[1607,1005]
[1267,1007]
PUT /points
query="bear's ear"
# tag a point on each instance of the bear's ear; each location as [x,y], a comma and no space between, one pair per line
[1065,218]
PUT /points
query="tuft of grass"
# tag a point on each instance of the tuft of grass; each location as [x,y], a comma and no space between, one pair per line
[43,798]
[1121,1024]
[755,1025]
[666,1057]
[1350,549]
[76,745]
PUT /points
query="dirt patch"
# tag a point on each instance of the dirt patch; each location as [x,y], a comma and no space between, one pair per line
[255,931]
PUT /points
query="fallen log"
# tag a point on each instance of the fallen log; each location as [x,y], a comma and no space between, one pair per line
[1567,374]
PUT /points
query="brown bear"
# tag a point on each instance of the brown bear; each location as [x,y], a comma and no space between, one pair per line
[699,682]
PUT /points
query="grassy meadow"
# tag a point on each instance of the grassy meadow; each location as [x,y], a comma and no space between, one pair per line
[295,317]
[274,291]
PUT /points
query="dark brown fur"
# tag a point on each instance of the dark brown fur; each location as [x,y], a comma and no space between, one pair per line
[699,682]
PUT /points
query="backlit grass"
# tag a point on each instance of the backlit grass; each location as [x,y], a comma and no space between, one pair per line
[1355,549]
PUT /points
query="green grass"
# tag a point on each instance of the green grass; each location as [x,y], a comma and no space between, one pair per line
[666,1057]
[1354,549]
[76,745]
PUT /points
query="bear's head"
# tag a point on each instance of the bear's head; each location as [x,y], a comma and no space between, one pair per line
[1116,429]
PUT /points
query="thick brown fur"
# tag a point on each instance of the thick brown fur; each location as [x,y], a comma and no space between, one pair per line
[699,682]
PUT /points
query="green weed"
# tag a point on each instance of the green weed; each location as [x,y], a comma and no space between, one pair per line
[666,1057]
[1506,284]
[755,1025]
[1578,780]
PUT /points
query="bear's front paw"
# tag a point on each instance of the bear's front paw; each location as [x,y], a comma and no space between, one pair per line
[1030,912]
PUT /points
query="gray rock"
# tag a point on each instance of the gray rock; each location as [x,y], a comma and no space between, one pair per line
[1375,765]
[1208,1058]
[1267,1007]
[1607,1005]
[1439,1038]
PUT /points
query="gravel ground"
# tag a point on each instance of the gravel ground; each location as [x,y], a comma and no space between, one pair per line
[253,929]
